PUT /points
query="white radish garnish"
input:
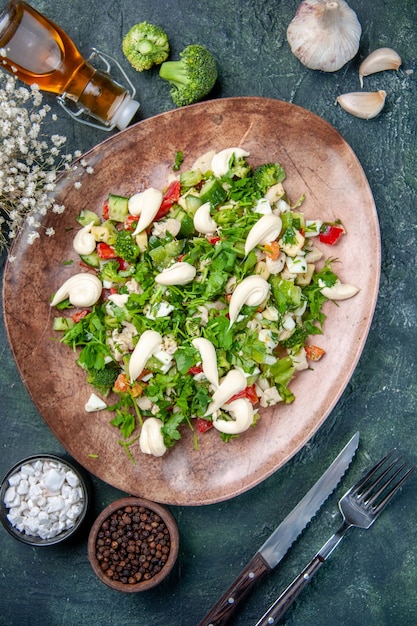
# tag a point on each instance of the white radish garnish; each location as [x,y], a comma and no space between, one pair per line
[241,411]
[84,242]
[151,440]
[203,222]
[232,383]
[265,230]
[252,291]
[146,205]
[220,161]
[81,289]
[149,342]
[208,358]
[177,274]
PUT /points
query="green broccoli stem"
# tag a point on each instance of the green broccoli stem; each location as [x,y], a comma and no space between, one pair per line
[174,72]
[146,47]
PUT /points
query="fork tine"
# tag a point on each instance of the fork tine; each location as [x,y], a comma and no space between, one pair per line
[394,488]
[357,489]
[369,496]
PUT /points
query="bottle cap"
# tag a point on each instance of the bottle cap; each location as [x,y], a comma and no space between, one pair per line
[125,112]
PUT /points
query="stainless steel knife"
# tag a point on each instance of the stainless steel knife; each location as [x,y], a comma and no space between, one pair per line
[275,547]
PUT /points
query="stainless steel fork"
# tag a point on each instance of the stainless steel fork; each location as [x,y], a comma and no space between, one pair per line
[360,507]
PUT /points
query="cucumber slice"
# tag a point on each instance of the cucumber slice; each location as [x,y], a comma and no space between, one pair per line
[118,208]
[86,217]
[91,259]
[213,192]
[191,204]
[62,323]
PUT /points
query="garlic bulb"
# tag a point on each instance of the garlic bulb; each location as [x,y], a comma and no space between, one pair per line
[324,35]
[82,290]
[379,61]
[364,104]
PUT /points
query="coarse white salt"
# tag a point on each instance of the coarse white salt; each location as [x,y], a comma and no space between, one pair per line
[44,498]
[53,480]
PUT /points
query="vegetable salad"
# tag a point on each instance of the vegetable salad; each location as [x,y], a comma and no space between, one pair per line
[200,302]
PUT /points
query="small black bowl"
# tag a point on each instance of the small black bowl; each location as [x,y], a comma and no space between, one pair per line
[36,539]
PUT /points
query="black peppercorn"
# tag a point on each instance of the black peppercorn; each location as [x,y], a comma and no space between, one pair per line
[132,545]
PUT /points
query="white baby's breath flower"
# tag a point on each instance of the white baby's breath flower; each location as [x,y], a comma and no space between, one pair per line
[29,161]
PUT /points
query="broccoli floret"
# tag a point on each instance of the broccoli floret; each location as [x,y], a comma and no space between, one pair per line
[125,246]
[297,339]
[192,77]
[145,45]
[103,379]
[267,175]
[110,272]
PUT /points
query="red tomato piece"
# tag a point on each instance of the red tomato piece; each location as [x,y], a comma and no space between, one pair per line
[123,265]
[249,393]
[330,233]
[105,251]
[213,239]
[131,222]
[195,369]
[171,196]
[79,316]
[105,210]
[203,425]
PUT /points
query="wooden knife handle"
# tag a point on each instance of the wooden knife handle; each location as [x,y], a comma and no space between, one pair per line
[227,605]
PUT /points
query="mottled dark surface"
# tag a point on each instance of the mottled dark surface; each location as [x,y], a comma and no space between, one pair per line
[371,578]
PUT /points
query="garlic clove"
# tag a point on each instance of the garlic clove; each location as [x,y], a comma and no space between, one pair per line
[84,242]
[179,273]
[149,343]
[363,104]
[208,358]
[151,440]
[146,205]
[82,290]
[266,229]
[378,61]
[241,411]
[253,290]
[234,382]
[220,161]
[203,222]
[324,35]
[339,291]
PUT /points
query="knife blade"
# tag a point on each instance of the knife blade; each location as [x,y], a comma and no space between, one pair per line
[278,543]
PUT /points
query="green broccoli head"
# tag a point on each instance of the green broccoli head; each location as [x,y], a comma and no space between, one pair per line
[267,175]
[192,77]
[125,246]
[145,45]
[103,379]
[110,272]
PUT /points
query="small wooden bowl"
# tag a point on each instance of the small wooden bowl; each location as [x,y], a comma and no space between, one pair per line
[131,515]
